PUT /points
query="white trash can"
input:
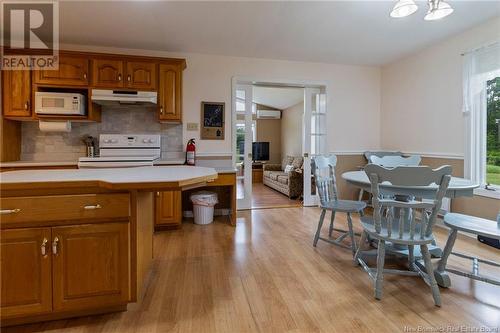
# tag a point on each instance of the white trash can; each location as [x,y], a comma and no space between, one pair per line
[203,206]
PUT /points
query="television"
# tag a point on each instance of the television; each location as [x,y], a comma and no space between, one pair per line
[260,151]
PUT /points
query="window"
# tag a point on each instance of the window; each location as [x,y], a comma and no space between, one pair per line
[482,111]
[240,139]
[493,132]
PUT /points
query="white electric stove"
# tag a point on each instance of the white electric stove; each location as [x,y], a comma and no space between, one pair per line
[124,150]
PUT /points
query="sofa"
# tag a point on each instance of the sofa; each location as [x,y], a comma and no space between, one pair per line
[289,183]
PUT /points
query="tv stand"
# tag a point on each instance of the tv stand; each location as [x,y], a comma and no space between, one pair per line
[257,171]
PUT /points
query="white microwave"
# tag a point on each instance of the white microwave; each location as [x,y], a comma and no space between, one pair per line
[59,103]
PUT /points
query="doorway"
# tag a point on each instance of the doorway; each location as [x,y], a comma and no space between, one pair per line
[277,128]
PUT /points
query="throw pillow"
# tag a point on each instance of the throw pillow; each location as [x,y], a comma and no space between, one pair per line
[288,168]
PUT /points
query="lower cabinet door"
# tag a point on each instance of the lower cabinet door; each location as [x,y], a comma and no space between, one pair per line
[25,272]
[90,266]
[168,208]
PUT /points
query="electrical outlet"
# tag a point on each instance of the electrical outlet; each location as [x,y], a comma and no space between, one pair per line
[192,126]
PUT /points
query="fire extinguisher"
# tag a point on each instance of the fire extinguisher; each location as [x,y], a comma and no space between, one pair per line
[190,152]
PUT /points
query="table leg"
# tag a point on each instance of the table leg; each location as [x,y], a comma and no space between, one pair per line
[442,277]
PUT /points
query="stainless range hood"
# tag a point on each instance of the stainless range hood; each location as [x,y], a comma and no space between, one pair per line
[116,97]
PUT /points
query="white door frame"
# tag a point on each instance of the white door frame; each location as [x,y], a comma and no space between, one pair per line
[239,80]
[246,201]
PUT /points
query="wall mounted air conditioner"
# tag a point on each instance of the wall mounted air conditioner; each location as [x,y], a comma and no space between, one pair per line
[268,114]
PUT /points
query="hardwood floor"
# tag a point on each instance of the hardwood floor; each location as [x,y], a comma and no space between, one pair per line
[265,197]
[265,276]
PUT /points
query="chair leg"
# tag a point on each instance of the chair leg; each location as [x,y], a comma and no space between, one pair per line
[361,192]
[320,224]
[351,234]
[332,218]
[430,273]
[379,279]
[361,243]
[411,256]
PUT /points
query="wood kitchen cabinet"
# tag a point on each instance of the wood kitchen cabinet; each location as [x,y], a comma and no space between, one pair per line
[64,254]
[90,266]
[170,93]
[107,73]
[110,73]
[168,209]
[141,75]
[26,275]
[16,94]
[73,71]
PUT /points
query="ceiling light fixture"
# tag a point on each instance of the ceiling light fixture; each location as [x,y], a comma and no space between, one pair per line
[404,8]
[437,9]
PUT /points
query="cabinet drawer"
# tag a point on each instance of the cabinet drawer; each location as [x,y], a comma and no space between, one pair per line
[63,207]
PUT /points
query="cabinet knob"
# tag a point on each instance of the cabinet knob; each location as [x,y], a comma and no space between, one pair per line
[92,207]
[129,78]
[119,77]
[161,109]
[85,75]
[54,245]
[26,105]
[43,247]
[9,211]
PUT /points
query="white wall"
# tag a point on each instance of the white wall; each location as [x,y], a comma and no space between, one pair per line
[291,125]
[422,95]
[353,93]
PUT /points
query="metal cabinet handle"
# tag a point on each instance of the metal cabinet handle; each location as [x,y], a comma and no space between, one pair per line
[119,77]
[43,247]
[129,78]
[54,245]
[91,207]
[85,75]
[9,211]
[27,105]
[161,109]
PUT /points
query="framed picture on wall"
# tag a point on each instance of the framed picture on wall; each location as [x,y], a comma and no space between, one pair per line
[212,121]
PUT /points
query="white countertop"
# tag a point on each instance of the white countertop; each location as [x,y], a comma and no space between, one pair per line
[169,161]
[138,177]
[160,162]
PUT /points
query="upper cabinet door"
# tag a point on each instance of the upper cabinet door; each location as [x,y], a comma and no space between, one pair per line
[141,75]
[107,73]
[73,70]
[16,93]
[90,266]
[25,272]
[170,93]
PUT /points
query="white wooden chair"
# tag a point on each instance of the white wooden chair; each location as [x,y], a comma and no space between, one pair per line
[324,177]
[396,221]
[390,160]
[395,161]
[473,225]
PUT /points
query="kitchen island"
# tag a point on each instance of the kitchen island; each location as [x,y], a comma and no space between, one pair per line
[79,241]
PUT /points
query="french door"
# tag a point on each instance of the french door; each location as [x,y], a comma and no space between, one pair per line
[242,151]
[313,138]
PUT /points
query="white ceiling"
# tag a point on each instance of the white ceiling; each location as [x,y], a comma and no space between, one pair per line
[347,32]
[279,98]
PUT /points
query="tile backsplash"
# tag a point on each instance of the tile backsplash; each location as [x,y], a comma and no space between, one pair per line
[58,146]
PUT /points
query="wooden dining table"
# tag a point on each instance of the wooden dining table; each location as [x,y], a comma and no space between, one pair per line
[458,187]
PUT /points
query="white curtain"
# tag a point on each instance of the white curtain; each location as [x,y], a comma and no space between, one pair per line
[480,66]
